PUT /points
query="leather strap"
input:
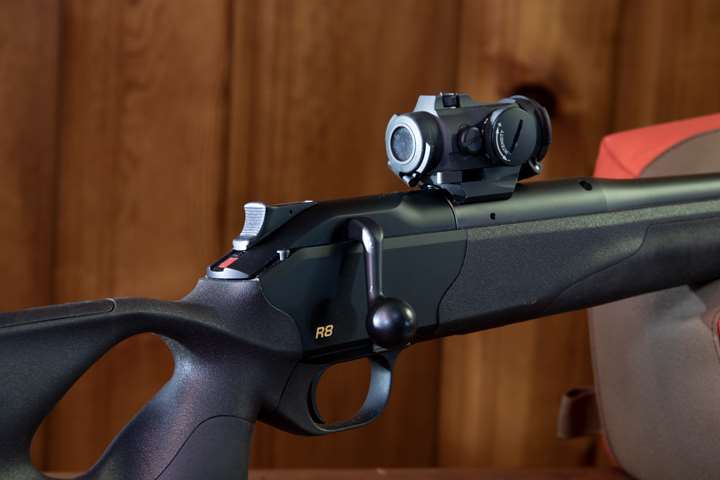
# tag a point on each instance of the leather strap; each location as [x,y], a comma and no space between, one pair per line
[578,415]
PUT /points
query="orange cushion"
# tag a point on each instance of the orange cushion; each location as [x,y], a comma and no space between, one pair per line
[626,154]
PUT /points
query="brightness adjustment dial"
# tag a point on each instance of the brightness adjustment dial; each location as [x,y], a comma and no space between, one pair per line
[510,136]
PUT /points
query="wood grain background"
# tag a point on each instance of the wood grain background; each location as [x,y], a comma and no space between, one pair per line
[132,132]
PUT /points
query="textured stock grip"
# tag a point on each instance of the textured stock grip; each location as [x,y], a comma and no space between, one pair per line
[200,423]
[527,270]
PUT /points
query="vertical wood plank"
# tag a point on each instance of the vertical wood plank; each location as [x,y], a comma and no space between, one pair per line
[501,388]
[313,85]
[28,101]
[144,90]
[29,34]
[668,62]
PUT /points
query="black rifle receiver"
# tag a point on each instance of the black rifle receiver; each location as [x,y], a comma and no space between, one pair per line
[312,284]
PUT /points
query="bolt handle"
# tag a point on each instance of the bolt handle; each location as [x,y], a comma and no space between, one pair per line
[390,321]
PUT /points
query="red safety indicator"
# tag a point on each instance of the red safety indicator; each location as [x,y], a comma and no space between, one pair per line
[227,262]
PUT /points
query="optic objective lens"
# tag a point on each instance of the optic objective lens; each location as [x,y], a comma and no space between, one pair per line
[402,144]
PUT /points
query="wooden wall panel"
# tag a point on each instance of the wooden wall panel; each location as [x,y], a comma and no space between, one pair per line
[314,84]
[133,132]
[501,388]
[144,90]
[28,101]
[28,113]
[668,62]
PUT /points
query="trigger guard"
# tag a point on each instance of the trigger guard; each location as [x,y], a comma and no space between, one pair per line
[297,411]
[377,396]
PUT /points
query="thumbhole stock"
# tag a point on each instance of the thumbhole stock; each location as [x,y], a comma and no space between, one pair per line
[102,401]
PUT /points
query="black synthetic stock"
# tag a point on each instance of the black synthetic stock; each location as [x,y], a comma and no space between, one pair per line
[229,368]
[526,270]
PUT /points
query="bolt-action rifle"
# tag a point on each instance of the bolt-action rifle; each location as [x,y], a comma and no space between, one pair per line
[312,284]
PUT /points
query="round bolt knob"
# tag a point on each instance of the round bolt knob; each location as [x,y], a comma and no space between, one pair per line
[391,322]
